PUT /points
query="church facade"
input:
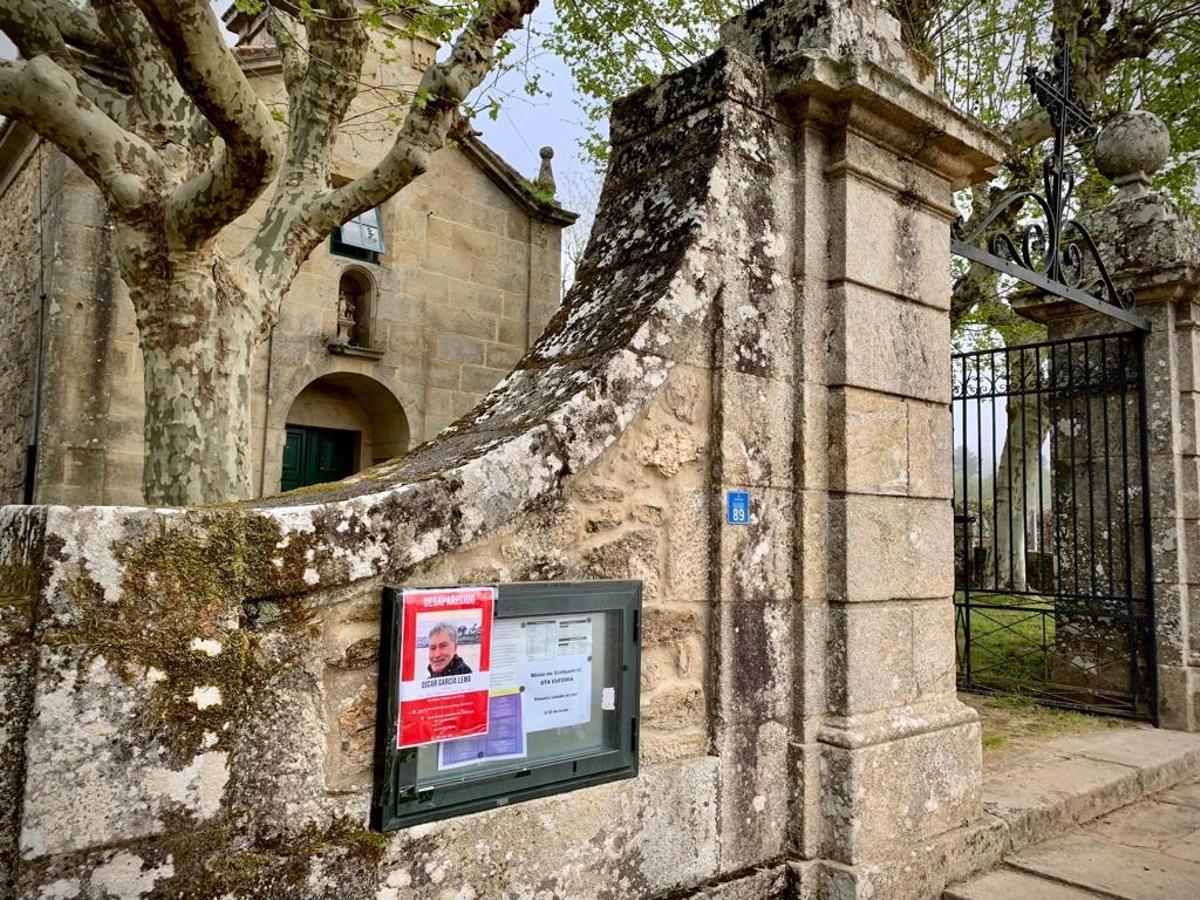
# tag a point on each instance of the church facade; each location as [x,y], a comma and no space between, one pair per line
[396,326]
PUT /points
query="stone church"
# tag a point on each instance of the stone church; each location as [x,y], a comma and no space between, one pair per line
[393,329]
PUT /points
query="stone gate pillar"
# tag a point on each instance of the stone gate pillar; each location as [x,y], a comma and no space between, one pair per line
[884,755]
[1152,247]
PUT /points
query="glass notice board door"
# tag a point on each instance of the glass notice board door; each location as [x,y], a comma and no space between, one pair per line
[563,705]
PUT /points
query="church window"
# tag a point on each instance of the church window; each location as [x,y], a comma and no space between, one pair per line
[360,237]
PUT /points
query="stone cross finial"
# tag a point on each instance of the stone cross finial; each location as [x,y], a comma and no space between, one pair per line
[545,176]
[1130,149]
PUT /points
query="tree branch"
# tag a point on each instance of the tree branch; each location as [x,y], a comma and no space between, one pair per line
[322,62]
[1031,128]
[79,26]
[291,38]
[44,96]
[321,76]
[211,76]
[47,28]
[431,115]
[166,111]
[297,222]
[318,101]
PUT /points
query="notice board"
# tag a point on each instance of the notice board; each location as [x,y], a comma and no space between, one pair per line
[494,694]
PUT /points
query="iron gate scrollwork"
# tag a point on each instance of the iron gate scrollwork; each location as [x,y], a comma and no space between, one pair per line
[1052,557]
[1055,252]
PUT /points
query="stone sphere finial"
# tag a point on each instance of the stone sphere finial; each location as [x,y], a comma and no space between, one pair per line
[1131,148]
[545,176]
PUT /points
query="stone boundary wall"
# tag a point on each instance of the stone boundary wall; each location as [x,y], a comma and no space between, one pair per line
[189,694]
[22,204]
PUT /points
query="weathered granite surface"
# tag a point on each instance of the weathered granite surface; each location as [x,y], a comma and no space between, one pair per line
[192,690]
[22,282]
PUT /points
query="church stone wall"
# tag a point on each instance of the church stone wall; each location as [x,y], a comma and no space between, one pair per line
[91,381]
[20,308]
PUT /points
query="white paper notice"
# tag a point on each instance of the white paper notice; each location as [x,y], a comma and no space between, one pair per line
[559,637]
[608,699]
[558,692]
[541,638]
[574,637]
[508,652]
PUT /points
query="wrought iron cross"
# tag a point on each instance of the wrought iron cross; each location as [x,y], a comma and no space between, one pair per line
[1041,256]
[1057,95]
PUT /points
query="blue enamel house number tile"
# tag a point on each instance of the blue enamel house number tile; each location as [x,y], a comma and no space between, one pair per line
[738,508]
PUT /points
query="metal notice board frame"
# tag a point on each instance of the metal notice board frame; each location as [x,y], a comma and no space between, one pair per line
[405,795]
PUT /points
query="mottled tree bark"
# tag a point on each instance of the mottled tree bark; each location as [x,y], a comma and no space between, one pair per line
[198,339]
[1017,490]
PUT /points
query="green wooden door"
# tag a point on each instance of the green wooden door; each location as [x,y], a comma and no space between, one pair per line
[316,455]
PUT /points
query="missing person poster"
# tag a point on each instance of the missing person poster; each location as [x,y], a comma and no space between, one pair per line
[445,664]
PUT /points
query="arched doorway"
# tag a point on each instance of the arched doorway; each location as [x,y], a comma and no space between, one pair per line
[339,424]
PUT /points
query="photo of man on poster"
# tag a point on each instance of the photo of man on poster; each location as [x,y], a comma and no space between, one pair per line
[444,660]
[445,664]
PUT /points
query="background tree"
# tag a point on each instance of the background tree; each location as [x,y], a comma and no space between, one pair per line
[149,101]
[1126,53]
[579,190]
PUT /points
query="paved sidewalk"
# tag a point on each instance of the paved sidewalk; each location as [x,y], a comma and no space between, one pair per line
[1147,851]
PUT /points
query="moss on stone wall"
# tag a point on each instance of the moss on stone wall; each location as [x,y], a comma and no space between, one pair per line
[18,593]
[212,861]
[180,590]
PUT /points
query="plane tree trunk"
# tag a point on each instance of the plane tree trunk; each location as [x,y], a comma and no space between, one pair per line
[198,338]
[1017,490]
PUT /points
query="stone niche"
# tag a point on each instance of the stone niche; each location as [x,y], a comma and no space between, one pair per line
[188,694]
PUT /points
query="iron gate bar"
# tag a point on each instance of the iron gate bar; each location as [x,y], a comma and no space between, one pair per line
[1115,613]
[1029,616]
[961,248]
[1147,554]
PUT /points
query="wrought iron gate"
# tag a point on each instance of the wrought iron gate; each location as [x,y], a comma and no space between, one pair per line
[1052,557]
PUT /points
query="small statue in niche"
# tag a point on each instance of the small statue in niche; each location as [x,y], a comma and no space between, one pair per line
[347,318]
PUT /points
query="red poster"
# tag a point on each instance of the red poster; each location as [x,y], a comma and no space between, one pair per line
[445,664]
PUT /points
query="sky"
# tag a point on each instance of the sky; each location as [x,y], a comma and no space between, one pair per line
[526,124]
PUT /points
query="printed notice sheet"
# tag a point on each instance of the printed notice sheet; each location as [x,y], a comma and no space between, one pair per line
[445,664]
[505,738]
[558,692]
[508,654]
[559,637]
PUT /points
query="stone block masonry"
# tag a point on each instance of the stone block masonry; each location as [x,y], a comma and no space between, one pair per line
[21,278]
[208,674]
